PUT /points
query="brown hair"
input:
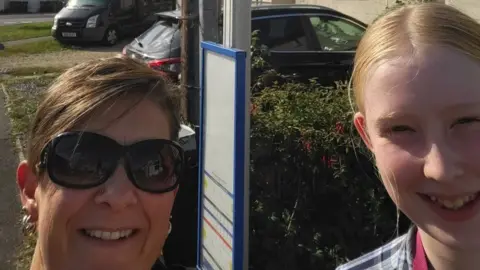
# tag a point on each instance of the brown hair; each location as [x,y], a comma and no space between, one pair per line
[78,92]
[403,30]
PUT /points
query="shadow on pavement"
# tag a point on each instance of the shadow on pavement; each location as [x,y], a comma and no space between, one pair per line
[102,48]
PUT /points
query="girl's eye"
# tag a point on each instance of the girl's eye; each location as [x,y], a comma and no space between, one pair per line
[395,129]
[466,120]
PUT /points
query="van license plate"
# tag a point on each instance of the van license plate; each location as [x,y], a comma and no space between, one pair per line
[66,34]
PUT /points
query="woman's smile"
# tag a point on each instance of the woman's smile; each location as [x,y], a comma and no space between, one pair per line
[109,235]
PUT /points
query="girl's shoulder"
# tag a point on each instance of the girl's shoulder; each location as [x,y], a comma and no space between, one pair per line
[395,255]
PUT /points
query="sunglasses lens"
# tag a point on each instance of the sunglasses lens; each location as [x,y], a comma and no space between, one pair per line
[155,166]
[78,161]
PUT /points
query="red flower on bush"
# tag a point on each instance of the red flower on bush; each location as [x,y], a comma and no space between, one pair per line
[329,161]
[339,128]
[307,145]
[253,108]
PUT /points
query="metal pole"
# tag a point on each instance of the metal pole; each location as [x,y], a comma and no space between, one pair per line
[184,55]
[237,34]
[237,24]
[208,30]
[192,79]
[209,21]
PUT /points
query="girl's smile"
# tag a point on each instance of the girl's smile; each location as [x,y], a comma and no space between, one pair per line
[456,208]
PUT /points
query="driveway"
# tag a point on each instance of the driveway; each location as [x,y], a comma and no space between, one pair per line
[25,18]
[10,236]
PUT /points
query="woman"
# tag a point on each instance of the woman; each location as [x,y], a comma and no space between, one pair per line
[416,82]
[103,167]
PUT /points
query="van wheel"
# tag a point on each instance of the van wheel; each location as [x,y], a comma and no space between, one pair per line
[111,36]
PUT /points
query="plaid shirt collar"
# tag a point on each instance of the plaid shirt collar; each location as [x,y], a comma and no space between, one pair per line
[395,255]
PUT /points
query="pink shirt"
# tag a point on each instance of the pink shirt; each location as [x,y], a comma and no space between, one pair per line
[420,259]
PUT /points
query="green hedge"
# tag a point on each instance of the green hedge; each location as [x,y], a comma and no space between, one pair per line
[315,197]
[316,200]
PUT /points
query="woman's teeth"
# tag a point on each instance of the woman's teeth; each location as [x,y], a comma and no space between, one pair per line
[109,235]
[456,203]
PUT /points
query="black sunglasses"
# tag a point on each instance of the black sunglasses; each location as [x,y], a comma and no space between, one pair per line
[82,160]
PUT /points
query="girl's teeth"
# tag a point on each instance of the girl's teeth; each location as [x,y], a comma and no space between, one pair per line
[454,204]
[109,235]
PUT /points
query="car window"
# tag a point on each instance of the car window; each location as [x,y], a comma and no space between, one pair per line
[163,35]
[281,34]
[336,34]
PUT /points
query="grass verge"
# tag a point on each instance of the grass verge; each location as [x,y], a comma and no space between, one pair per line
[24,94]
[37,47]
[24,31]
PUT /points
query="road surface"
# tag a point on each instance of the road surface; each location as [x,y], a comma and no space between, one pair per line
[25,18]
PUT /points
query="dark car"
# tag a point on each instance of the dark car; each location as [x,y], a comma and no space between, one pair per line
[159,46]
[87,21]
[304,40]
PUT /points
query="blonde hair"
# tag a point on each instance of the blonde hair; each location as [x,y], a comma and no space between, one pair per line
[407,28]
[80,91]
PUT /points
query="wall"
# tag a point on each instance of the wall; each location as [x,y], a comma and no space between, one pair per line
[470,7]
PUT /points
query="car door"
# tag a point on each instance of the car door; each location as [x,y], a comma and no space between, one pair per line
[296,48]
[125,14]
[290,46]
[337,38]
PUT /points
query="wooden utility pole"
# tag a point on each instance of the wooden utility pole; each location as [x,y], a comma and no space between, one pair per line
[184,55]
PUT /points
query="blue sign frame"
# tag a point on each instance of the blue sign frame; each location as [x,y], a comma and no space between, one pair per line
[239,173]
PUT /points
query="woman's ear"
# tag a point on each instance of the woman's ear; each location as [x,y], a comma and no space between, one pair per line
[27,183]
[361,126]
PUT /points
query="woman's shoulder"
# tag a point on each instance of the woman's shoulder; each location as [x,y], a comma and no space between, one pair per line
[395,255]
[160,265]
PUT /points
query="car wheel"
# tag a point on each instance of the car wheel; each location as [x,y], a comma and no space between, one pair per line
[111,36]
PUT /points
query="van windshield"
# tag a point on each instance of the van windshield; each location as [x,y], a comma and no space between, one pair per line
[87,3]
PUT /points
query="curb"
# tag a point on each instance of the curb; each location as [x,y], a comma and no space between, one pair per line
[18,144]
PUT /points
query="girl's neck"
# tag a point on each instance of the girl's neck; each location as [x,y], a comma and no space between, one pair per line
[442,257]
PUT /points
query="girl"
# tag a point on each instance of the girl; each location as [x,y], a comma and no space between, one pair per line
[417,89]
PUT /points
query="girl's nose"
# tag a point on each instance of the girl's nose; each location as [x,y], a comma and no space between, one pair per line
[442,164]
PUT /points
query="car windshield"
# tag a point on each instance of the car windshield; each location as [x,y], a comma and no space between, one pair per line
[162,36]
[86,3]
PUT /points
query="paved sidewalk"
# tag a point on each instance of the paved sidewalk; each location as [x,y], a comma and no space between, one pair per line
[9,19]
[10,236]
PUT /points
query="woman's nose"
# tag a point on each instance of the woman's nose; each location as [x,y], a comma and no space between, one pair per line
[118,192]
[442,164]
